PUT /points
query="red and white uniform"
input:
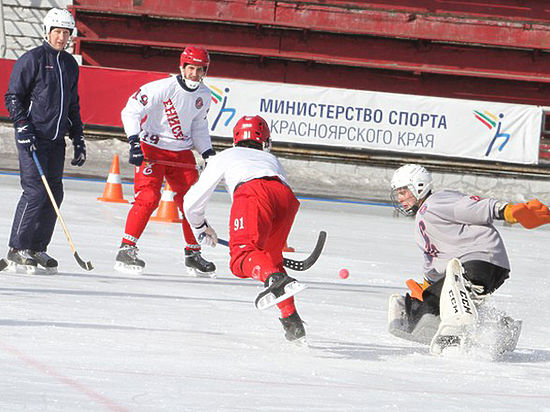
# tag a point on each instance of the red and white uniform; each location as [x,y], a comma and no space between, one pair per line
[176,117]
[170,121]
[262,212]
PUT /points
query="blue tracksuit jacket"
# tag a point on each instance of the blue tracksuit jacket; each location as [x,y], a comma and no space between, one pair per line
[43,89]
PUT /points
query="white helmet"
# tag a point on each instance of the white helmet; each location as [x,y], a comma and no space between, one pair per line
[58,18]
[415,178]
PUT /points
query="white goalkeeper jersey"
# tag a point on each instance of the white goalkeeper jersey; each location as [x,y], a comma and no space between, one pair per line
[235,165]
[167,116]
[451,224]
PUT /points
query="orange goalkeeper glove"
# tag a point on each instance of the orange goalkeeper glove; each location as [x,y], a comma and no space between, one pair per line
[417,288]
[530,215]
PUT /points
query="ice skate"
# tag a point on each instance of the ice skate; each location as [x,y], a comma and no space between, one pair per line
[294,329]
[511,329]
[451,340]
[127,260]
[21,259]
[3,264]
[197,265]
[46,261]
[497,332]
[278,287]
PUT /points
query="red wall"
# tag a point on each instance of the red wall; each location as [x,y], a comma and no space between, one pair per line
[103,91]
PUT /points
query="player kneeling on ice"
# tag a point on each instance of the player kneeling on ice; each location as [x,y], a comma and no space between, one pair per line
[261,217]
[464,262]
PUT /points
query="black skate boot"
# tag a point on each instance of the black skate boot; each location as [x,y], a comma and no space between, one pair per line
[23,258]
[197,265]
[127,260]
[294,328]
[45,260]
[278,287]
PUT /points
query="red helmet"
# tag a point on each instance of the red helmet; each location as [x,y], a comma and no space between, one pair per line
[194,55]
[252,128]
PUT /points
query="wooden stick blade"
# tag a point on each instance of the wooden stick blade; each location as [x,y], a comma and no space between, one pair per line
[84,265]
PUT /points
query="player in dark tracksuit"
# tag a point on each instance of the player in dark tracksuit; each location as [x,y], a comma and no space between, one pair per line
[43,103]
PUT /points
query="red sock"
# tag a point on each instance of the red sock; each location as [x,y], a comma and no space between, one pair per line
[287,307]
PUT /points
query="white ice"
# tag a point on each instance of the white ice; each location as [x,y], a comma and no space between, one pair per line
[164,341]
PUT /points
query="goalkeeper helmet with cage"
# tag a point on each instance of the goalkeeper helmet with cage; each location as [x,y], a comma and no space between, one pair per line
[252,129]
[58,18]
[196,56]
[417,180]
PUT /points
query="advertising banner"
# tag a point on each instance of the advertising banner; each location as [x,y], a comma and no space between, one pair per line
[380,121]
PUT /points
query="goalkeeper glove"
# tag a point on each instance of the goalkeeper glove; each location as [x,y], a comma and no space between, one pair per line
[530,215]
[417,289]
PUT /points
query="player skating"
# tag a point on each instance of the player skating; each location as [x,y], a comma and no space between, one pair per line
[175,109]
[262,214]
[465,260]
[43,103]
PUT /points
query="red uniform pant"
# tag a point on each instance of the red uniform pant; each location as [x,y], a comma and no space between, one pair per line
[148,184]
[261,217]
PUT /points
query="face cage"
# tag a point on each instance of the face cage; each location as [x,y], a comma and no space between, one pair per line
[267,145]
[399,207]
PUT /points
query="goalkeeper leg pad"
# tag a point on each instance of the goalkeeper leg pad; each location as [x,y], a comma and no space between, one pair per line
[457,310]
[399,325]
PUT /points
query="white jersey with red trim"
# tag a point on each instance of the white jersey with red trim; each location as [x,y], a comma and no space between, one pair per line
[451,224]
[175,118]
[235,165]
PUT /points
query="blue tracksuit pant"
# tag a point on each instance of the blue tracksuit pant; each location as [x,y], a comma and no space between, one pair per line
[34,220]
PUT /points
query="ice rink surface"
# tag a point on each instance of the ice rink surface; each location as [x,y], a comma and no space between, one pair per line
[164,341]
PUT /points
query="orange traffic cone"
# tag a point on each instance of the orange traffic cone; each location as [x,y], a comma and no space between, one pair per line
[113,188]
[167,211]
[288,249]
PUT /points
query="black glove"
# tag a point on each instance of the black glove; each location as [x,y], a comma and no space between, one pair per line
[136,155]
[24,136]
[79,145]
[207,153]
